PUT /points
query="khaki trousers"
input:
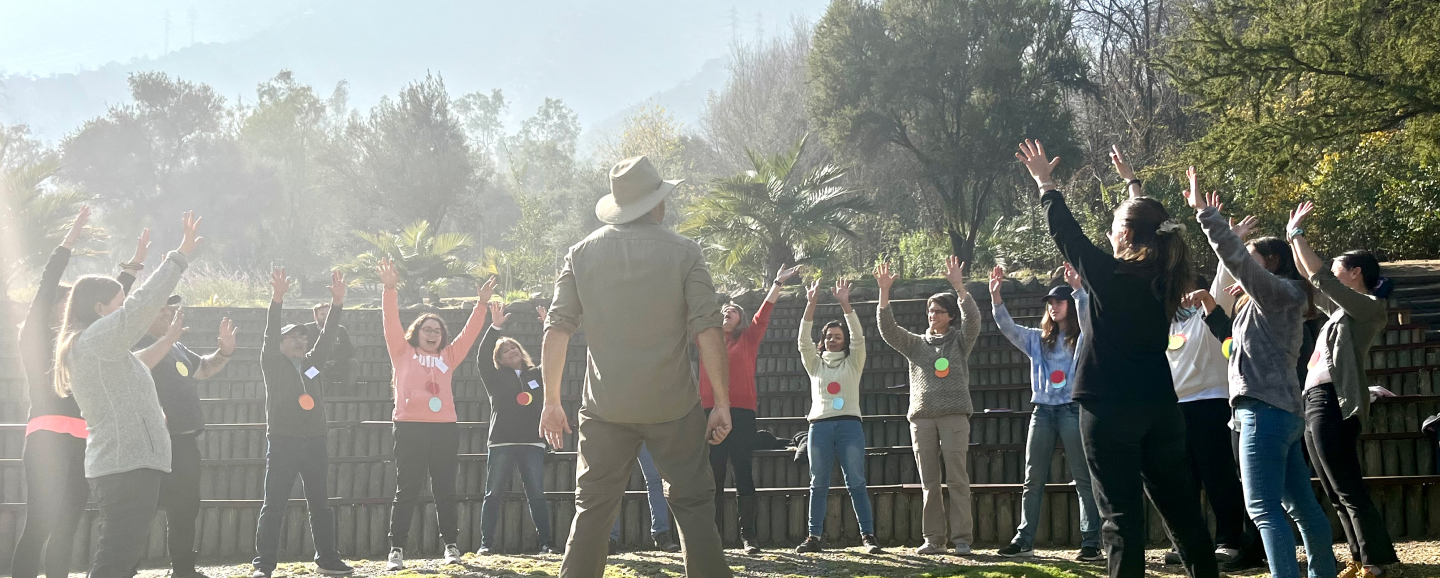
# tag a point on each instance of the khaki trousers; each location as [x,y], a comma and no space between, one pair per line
[607,451]
[946,437]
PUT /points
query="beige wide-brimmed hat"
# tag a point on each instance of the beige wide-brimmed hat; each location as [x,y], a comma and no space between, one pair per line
[635,189]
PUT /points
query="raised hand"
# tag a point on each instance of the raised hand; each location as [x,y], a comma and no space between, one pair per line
[541,313]
[1297,216]
[812,293]
[783,276]
[1199,298]
[997,279]
[955,273]
[842,291]
[1213,199]
[1244,227]
[76,227]
[337,287]
[1122,167]
[191,238]
[498,314]
[884,278]
[389,277]
[142,247]
[226,340]
[1032,154]
[1192,195]
[177,326]
[279,284]
[1072,277]
[486,290]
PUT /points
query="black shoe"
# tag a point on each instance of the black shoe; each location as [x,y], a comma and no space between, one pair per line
[871,544]
[614,546]
[1172,558]
[546,549]
[336,568]
[811,544]
[1090,554]
[187,572]
[1248,559]
[665,542]
[1015,550]
[751,546]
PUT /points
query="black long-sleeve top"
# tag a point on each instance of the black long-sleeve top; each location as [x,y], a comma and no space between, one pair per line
[37,343]
[515,398]
[1124,361]
[287,380]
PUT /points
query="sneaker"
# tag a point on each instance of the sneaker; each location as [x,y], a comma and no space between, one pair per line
[750,546]
[1090,554]
[336,568]
[396,560]
[1015,550]
[1247,559]
[259,574]
[811,544]
[928,548]
[452,554]
[962,549]
[1172,558]
[546,549]
[665,542]
[1352,569]
[871,544]
[483,551]
[1224,555]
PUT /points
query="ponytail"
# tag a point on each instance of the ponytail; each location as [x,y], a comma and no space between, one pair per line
[88,292]
[1369,271]
[1156,249]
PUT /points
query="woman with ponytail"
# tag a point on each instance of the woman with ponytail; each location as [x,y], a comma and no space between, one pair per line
[1265,392]
[1130,424]
[1337,401]
[127,450]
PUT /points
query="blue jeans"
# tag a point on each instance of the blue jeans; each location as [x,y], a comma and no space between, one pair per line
[655,487]
[1273,471]
[285,458]
[843,440]
[499,464]
[1048,422]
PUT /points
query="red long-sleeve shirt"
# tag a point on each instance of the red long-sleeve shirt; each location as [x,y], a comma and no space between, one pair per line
[741,351]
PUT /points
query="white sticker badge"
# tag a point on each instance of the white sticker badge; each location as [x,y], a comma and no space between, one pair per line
[312,372]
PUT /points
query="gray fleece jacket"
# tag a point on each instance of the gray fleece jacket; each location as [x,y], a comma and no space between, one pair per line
[931,395]
[113,387]
[1268,329]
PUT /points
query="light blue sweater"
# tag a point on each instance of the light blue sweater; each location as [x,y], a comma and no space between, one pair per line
[1044,390]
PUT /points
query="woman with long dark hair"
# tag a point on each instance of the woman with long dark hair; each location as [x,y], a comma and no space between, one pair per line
[1130,423]
[1265,391]
[1337,401]
[427,437]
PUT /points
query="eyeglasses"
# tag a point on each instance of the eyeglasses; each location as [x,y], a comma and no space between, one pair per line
[431,331]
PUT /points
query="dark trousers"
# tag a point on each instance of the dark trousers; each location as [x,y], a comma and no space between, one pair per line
[425,451]
[1137,450]
[180,498]
[736,449]
[285,458]
[128,502]
[500,464]
[1336,459]
[1212,464]
[56,491]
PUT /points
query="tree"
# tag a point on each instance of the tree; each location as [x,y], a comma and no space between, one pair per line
[776,214]
[762,105]
[35,208]
[954,84]
[426,261]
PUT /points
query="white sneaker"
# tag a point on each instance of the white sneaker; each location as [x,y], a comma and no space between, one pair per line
[396,561]
[962,549]
[452,554]
[1226,554]
[928,548]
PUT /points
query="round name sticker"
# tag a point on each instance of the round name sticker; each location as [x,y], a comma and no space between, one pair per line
[1228,348]
[833,388]
[1057,379]
[1177,341]
[942,364]
[839,403]
[524,398]
[182,369]
[942,374]
[435,403]
[307,403]
[1314,359]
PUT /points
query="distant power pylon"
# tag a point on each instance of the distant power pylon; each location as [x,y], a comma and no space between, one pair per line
[167,33]
[194,17]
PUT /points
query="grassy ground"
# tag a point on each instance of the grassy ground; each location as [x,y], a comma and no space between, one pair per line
[1420,560]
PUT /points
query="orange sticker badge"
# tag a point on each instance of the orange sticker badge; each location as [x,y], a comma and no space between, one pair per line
[307,403]
[524,398]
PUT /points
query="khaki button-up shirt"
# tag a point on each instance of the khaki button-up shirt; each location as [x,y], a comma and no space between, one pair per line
[643,292]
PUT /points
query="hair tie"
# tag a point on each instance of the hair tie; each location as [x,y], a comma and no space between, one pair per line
[1383,287]
[1170,226]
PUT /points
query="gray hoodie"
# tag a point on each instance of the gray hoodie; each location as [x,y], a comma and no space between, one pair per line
[114,389]
[1268,330]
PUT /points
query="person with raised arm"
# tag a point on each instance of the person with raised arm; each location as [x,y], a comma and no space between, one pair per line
[1064,329]
[512,383]
[427,437]
[127,450]
[835,365]
[940,404]
[1130,421]
[295,429]
[643,293]
[1337,401]
[742,343]
[1265,391]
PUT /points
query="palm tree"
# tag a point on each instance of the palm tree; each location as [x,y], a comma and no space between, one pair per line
[775,214]
[35,211]
[425,260]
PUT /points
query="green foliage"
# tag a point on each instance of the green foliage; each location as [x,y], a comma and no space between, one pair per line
[954,84]
[424,260]
[1021,242]
[775,214]
[35,209]
[218,286]
[918,254]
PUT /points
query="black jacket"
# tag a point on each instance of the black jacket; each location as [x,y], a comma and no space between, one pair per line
[285,383]
[515,400]
[37,343]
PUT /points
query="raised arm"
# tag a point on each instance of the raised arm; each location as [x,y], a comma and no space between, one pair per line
[457,350]
[129,272]
[852,320]
[279,286]
[325,345]
[1024,338]
[1263,287]
[970,324]
[213,364]
[809,355]
[154,353]
[484,355]
[395,343]
[1118,159]
[117,332]
[1064,229]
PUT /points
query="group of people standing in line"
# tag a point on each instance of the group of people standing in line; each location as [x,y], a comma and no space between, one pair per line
[1155,382]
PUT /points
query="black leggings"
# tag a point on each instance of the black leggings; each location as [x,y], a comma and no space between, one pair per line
[736,448]
[180,499]
[1334,456]
[425,450]
[56,492]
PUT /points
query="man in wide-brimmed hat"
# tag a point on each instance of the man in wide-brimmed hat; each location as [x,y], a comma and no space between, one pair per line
[642,291]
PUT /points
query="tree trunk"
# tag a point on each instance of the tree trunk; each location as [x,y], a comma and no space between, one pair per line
[961,246]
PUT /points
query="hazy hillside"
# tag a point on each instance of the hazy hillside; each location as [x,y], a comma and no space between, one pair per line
[600,57]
